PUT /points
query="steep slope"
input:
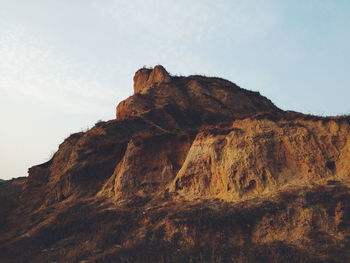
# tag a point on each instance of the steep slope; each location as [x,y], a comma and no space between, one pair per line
[193,169]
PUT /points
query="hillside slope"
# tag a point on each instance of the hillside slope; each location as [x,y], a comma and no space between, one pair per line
[193,169]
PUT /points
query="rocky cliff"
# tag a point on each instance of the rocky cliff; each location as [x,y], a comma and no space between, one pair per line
[193,169]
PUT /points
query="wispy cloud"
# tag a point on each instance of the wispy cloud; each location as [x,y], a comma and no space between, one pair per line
[29,68]
[181,33]
[190,20]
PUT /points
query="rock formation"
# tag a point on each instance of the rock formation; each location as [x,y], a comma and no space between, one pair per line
[193,169]
[146,78]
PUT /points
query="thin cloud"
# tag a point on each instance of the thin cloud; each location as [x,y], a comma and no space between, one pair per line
[30,69]
[194,20]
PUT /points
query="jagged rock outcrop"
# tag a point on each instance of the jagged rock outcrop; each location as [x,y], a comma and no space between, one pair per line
[145,78]
[193,169]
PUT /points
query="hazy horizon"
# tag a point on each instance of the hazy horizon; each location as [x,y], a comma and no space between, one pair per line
[64,65]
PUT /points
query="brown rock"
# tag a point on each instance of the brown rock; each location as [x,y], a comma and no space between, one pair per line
[194,169]
[209,99]
[145,78]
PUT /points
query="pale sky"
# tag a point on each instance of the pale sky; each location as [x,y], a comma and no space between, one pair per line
[66,64]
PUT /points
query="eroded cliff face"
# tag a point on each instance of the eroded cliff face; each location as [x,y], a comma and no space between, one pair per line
[192,169]
[257,148]
[251,157]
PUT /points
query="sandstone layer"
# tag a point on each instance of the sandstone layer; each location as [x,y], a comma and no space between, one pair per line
[193,169]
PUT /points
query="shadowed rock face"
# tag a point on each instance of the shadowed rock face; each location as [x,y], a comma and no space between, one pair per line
[193,169]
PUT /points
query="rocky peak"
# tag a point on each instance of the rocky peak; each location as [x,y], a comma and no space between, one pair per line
[144,78]
[207,99]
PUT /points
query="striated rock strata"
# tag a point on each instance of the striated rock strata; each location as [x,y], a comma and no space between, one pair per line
[193,169]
